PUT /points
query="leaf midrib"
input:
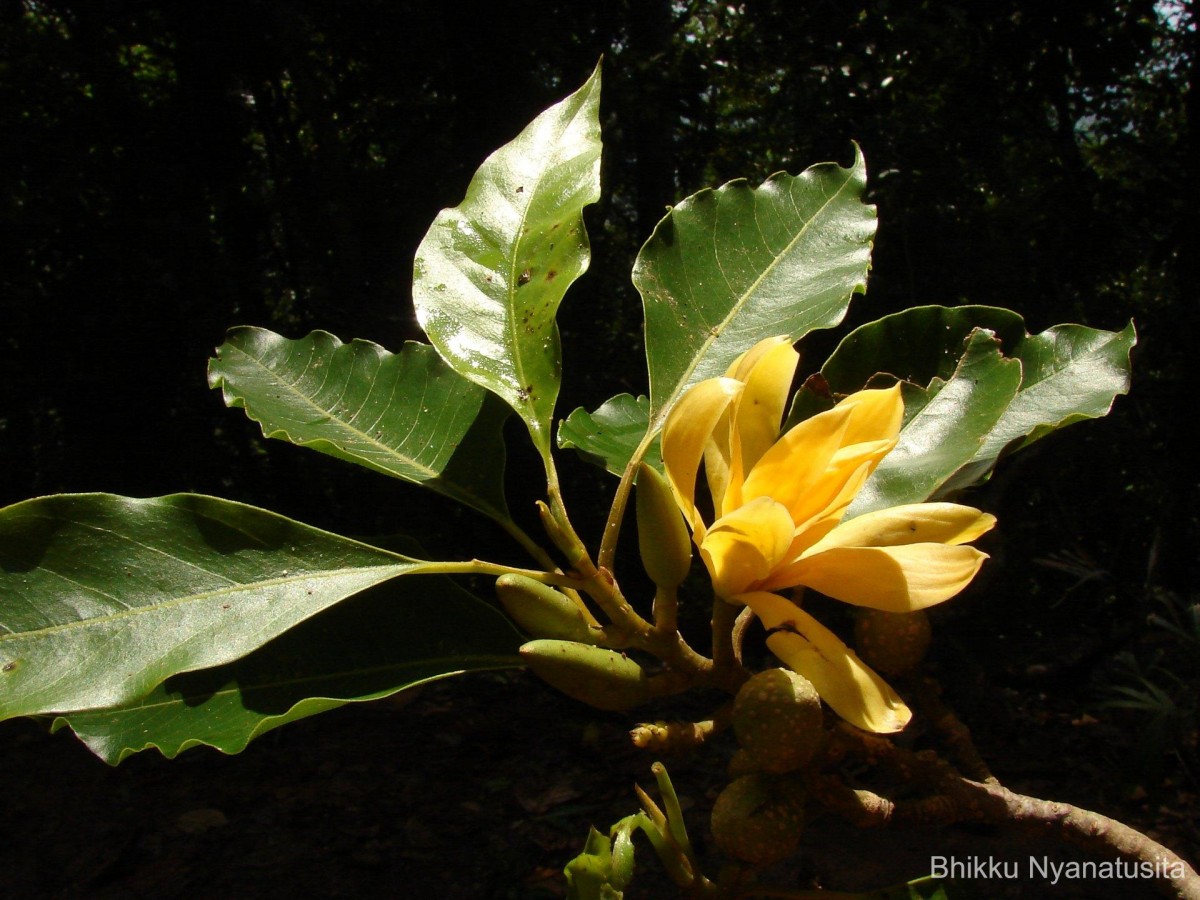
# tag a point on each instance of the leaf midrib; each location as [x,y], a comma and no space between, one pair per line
[239,587]
[513,332]
[363,437]
[718,330]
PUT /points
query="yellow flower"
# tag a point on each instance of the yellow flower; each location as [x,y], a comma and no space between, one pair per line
[778,503]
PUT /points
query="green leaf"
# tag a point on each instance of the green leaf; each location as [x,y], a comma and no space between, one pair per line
[1069,372]
[102,598]
[491,272]
[407,414]
[389,638]
[609,436]
[945,425]
[729,267]
[589,874]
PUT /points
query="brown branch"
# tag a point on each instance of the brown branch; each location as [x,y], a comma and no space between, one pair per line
[955,735]
[953,799]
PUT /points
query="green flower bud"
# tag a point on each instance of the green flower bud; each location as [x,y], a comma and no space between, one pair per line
[778,721]
[662,535]
[543,611]
[892,643]
[758,819]
[598,677]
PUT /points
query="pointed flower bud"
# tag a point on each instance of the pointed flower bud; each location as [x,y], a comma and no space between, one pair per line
[662,535]
[543,611]
[598,677]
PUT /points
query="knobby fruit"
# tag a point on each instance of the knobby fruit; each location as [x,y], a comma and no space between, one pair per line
[758,818]
[892,643]
[778,721]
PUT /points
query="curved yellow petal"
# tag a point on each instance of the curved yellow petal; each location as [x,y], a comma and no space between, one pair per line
[756,414]
[741,367]
[718,460]
[914,523]
[793,468]
[877,415]
[847,684]
[743,547]
[893,579]
[685,435]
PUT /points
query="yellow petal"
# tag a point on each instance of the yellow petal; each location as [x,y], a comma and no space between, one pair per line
[893,579]
[718,460]
[848,470]
[743,547]
[847,684]
[798,463]
[914,523]
[687,431]
[740,368]
[756,414]
[877,415]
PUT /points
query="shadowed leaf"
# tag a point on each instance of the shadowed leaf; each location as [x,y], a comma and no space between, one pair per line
[382,641]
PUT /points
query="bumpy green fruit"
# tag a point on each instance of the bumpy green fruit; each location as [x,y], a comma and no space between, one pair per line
[777,719]
[601,678]
[542,611]
[758,819]
[892,643]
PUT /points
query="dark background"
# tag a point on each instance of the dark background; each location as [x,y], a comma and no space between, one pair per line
[168,170]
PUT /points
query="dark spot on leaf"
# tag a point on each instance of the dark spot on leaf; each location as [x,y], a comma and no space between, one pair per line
[524,277]
[551,275]
[521,189]
[9,666]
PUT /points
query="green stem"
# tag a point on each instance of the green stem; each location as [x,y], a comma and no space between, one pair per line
[612,527]
[482,567]
[666,609]
[675,823]
[532,547]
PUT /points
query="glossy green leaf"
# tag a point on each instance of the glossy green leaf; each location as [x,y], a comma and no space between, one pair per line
[490,273]
[729,267]
[609,436]
[1069,372]
[944,426]
[102,598]
[389,638]
[405,414]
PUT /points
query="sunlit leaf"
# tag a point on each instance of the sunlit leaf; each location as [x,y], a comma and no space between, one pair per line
[391,637]
[491,272]
[1068,372]
[406,414]
[944,426]
[728,267]
[609,436]
[102,598]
